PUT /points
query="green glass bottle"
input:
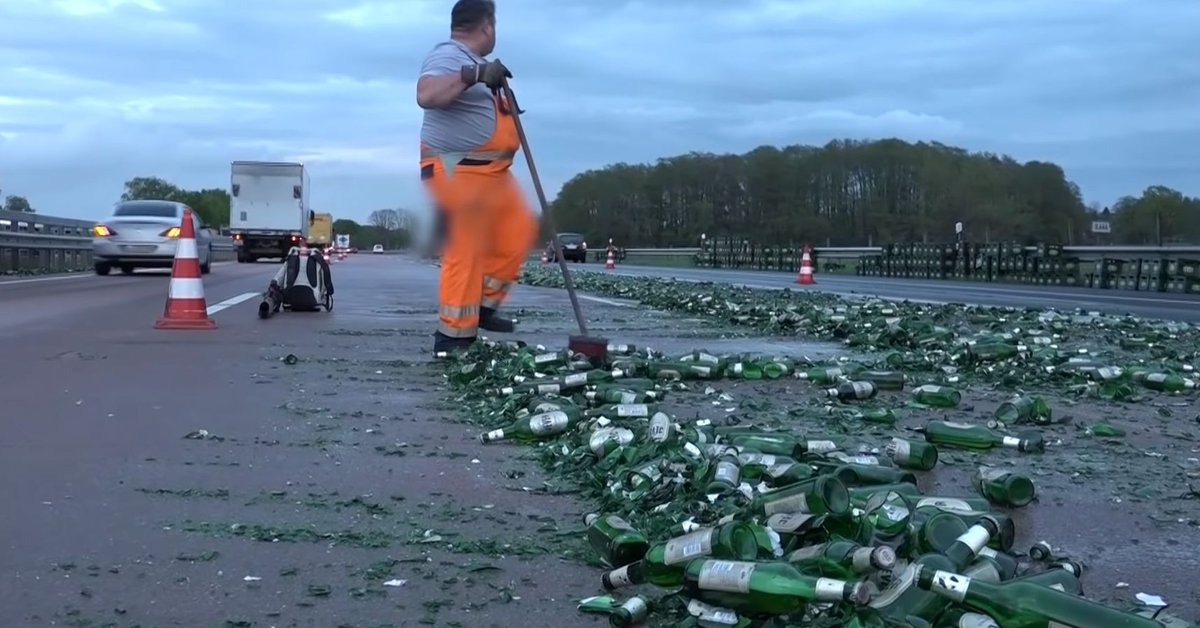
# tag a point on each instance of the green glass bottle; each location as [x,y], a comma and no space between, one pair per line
[937,396]
[857,475]
[619,395]
[851,391]
[605,440]
[615,540]
[781,444]
[842,559]
[660,428]
[1062,576]
[682,370]
[835,457]
[877,416]
[1004,487]
[829,374]
[995,351]
[823,494]
[765,588]
[1023,604]
[1166,382]
[979,437]
[913,455]
[624,411]
[1024,409]
[664,563]
[778,471]
[744,370]
[884,380]
[631,612]
[726,473]
[937,533]
[536,427]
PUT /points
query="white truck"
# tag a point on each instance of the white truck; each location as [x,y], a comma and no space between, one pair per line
[343,243]
[268,212]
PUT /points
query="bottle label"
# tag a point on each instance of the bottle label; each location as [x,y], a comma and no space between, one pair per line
[660,428]
[1011,441]
[975,538]
[958,426]
[548,389]
[617,523]
[861,459]
[545,358]
[900,450]
[861,560]
[737,368]
[549,422]
[765,460]
[975,620]
[862,390]
[949,585]
[546,406]
[627,397]
[727,472]
[620,577]
[821,446]
[575,379]
[701,370]
[494,435]
[684,548]
[945,503]
[789,504]
[789,523]
[632,410]
[726,575]
[899,584]
[777,470]
[1156,378]
[711,615]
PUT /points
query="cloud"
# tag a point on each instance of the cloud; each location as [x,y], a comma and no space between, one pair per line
[99,91]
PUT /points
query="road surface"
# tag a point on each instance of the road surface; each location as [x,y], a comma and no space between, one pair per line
[174,478]
[1149,304]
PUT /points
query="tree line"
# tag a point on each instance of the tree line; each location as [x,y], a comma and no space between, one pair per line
[16,204]
[858,193]
[392,228]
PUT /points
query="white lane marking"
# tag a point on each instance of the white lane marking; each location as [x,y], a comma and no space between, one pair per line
[43,279]
[604,301]
[241,298]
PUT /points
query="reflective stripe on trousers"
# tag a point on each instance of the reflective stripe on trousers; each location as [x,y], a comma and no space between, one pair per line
[494,291]
[458,321]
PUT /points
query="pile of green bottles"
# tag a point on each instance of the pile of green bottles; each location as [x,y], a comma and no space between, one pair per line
[1107,357]
[750,527]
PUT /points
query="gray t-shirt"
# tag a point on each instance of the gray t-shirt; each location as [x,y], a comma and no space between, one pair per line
[470,120]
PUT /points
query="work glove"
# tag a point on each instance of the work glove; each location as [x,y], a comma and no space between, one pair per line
[491,74]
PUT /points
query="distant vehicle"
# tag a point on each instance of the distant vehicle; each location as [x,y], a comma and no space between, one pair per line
[145,234]
[378,248]
[341,243]
[320,231]
[268,212]
[574,248]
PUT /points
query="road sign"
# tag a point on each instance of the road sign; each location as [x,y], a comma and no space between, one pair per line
[958,227]
[1101,226]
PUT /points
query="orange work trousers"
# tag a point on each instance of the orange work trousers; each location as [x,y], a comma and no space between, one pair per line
[489,231]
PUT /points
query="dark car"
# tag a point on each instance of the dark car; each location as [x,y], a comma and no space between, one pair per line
[573,245]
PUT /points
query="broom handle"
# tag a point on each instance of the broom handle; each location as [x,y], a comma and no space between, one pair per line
[537,185]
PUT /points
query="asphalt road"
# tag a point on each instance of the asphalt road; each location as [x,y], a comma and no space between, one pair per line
[1148,304]
[173,478]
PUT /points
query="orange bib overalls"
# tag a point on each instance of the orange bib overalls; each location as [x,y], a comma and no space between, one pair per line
[489,226]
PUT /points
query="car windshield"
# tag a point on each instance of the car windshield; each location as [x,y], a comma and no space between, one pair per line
[157,210]
[570,238]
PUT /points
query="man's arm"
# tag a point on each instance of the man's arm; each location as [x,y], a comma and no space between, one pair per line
[434,92]
[441,81]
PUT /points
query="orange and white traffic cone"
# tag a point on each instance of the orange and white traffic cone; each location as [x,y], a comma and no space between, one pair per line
[806,272]
[186,307]
[611,262]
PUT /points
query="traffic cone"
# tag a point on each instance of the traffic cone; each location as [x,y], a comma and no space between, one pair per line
[806,273]
[186,307]
[611,262]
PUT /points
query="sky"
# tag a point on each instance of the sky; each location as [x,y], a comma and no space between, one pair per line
[95,92]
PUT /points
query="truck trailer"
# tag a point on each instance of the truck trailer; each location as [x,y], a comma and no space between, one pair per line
[269,211]
[320,232]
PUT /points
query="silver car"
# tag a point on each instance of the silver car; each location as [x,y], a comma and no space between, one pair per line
[144,234]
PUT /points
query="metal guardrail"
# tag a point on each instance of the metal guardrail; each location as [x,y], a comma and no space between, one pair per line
[33,243]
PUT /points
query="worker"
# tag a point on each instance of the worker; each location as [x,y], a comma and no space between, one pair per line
[468,142]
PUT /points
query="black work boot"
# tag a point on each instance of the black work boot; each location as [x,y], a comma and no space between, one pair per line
[444,346]
[491,321]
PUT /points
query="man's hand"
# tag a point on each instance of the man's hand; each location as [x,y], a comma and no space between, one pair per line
[491,74]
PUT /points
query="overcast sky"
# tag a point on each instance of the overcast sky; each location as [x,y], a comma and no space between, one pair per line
[94,92]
